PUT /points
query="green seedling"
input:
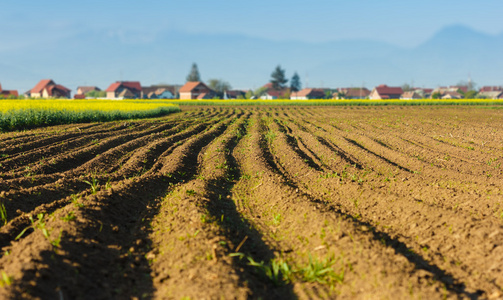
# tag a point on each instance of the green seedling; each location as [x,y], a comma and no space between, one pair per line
[69,217]
[75,201]
[278,271]
[277,219]
[56,241]
[40,224]
[6,280]
[108,184]
[94,183]
[32,226]
[3,214]
[270,136]
[321,271]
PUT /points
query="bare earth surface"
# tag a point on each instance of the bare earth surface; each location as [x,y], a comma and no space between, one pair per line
[259,202]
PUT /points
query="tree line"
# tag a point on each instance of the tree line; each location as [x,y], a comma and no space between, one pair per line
[278,81]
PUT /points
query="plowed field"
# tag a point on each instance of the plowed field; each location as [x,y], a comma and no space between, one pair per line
[259,202]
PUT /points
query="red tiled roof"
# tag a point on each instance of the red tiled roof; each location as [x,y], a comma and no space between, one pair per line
[9,93]
[462,88]
[275,93]
[388,90]
[309,92]
[202,96]
[0,87]
[411,94]
[132,85]
[355,92]
[190,85]
[62,88]
[135,85]
[57,87]
[41,85]
[482,89]
[278,93]
[113,87]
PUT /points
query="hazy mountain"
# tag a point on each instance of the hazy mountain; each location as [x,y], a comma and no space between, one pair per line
[97,58]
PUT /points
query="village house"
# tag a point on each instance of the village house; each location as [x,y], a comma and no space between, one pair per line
[271,93]
[351,93]
[491,89]
[161,91]
[383,91]
[491,94]
[82,90]
[424,93]
[47,88]
[234,94]
[410,95]
[451,95]
[8,93]
[149,92]
[124,90]
[308,93]
[196,90]
[453,88]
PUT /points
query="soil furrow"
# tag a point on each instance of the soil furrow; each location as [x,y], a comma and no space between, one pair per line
[104,246]
[50,152]
[272,204]
[359,206]
[208,196]
[257,202]
[72,182]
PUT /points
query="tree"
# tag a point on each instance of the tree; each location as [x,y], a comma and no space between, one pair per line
[470,85]
[278,79]
[96,94]
[219,86]
[436,95]
[471,94]
[285,95]
[249,94]
[295,85]
[260,92]
[328,94]
[406,87]
[194,74]
[341,95]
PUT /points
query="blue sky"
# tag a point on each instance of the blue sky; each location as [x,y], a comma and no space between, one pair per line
[403,23]
[49,39]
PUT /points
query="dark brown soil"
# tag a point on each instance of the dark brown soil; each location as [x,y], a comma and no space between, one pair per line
[246,202]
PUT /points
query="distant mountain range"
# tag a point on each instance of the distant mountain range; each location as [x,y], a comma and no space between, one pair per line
[96,58]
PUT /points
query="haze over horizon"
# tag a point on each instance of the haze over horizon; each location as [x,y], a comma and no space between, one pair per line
[390,42]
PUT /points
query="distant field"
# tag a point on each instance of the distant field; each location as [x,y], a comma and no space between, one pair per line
[25,114]
[331,102]
[271,202]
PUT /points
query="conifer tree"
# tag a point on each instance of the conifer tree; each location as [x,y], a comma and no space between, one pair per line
[295,84]
[194,74]
[278,79]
